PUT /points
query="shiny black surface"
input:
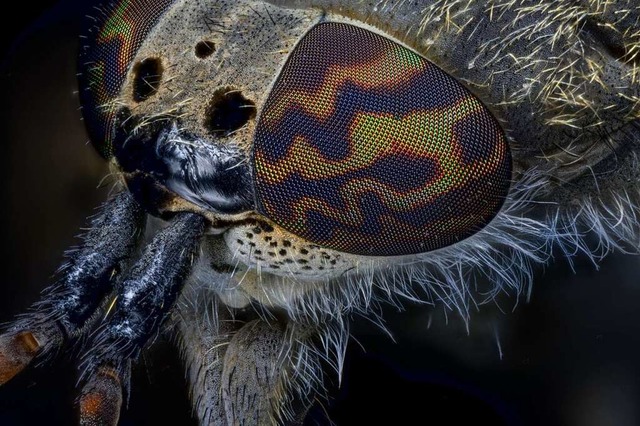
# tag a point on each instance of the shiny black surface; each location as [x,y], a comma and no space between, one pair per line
[147,295]
[213,174]
[570,354]
[91,270]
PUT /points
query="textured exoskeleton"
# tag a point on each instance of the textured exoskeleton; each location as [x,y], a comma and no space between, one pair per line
[306,160]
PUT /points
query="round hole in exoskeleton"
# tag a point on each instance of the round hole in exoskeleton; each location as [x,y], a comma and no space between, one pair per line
[205,48]
[147,76]
[229,111]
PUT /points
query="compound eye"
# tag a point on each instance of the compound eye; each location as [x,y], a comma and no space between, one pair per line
[116,35]
[366,147]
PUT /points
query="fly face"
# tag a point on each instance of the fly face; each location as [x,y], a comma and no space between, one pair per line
[309,159]
[322,138]
[316,149]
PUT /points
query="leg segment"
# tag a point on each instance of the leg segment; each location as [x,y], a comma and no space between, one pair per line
[144,299]
[89,276]
[85,280]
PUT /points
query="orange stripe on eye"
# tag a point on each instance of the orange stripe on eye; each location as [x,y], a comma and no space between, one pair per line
[374,136]
[399,67]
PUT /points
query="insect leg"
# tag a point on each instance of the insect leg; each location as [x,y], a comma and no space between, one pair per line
[86,278]
[144,298]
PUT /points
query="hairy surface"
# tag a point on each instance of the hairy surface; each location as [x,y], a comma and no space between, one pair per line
[561,76]
[264,315]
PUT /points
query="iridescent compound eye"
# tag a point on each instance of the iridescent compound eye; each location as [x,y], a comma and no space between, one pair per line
[366,147]
[105,60]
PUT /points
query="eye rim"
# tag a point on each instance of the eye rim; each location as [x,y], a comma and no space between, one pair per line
[506,182]
[112,40]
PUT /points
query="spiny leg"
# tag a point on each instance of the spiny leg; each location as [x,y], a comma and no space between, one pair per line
[87,277]
[144,300]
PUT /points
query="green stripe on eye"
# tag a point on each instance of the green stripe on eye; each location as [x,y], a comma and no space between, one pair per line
[365,147]
[115,23]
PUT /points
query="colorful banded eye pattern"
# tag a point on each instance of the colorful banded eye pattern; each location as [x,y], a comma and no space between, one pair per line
[104,62]
[365,147]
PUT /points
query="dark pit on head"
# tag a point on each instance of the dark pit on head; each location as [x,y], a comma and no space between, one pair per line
[147,78]
[229,111]
[205,48]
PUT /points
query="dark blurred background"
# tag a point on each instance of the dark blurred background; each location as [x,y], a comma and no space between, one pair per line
[568,357]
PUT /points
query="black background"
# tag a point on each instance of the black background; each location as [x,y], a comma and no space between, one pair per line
[569,355]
